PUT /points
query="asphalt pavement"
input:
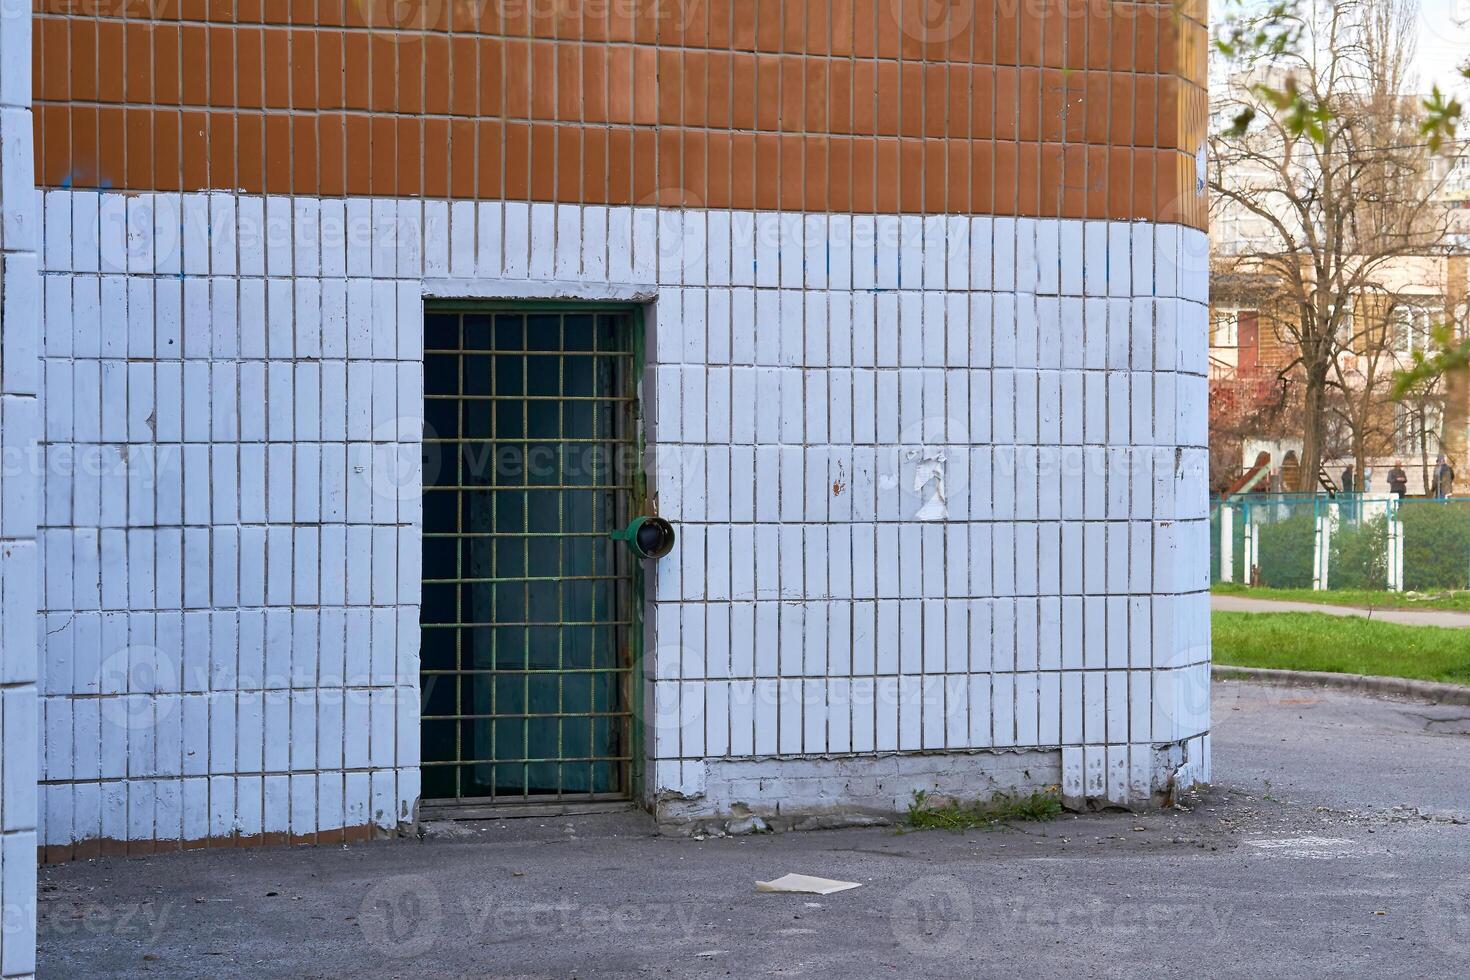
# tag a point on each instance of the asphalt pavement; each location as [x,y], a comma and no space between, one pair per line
[1334,843]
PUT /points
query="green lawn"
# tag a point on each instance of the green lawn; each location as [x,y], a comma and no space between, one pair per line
[1459,601]
[1341,644]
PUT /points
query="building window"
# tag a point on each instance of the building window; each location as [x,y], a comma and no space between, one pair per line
[1235,328]
[1225,331]
[1412,328]
[1417,427]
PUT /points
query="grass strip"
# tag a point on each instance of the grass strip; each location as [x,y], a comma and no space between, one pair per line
[1343,645]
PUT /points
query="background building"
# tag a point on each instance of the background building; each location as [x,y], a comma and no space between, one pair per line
[1255,406]
[1334,262]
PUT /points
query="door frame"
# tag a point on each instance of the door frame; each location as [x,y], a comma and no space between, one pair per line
[638,308]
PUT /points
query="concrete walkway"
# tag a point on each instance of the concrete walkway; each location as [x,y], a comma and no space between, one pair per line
[1331,844]
[1406,617]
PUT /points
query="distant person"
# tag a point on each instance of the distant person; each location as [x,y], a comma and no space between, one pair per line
[1347,480]
[1398,480]
[1444,479]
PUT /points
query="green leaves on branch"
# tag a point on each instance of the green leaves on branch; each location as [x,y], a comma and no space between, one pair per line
[1245,35]
[1441,120]
[1248,35]
[1251,38]
[1448,355]
[1299,115]
[1441,117]
[1241,122]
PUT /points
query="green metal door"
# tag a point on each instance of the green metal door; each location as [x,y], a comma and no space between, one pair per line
[530,619]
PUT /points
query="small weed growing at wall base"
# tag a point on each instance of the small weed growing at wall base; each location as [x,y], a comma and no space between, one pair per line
[999,809]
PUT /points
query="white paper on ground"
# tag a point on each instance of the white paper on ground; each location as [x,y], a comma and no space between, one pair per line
[805,885]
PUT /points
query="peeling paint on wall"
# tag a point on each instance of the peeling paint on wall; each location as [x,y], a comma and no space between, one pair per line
[929,485]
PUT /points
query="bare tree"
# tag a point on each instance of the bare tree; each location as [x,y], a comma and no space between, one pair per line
[1387,329]
[1335,185]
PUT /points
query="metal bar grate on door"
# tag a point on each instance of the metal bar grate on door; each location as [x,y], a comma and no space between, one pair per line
[529,613]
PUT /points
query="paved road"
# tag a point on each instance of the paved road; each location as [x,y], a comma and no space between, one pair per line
[1407,617]
[1329,846]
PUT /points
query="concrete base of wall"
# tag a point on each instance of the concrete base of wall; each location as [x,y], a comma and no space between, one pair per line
[753,795]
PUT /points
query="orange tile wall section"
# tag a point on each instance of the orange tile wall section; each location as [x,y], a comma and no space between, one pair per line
[1045,108]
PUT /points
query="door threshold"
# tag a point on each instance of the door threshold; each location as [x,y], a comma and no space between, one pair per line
[449,810]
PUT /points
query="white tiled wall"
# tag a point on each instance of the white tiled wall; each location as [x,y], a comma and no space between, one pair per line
[941,487]
[18,422]
[229,521]
[939,482]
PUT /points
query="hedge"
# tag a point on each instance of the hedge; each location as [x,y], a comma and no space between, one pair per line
[1436,545]
[1359,558]
[1286,546]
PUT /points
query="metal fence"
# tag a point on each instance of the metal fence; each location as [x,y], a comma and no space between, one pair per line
[1352,541]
